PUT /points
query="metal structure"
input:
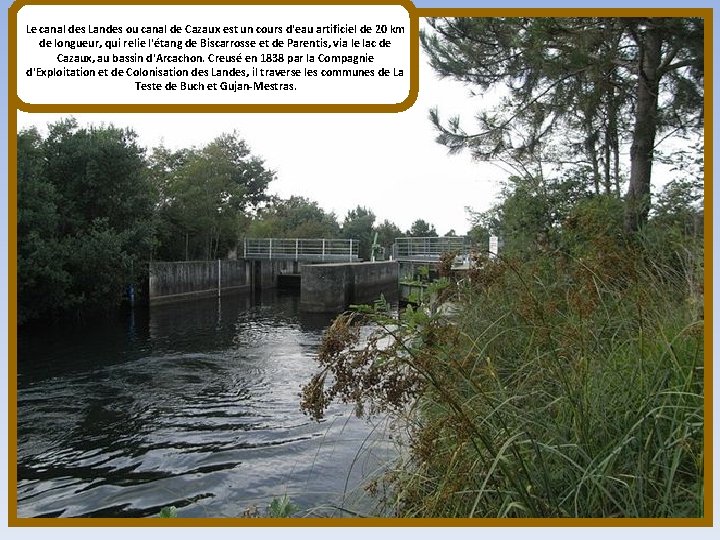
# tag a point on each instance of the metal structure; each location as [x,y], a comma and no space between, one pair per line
[302,249]
[429,248]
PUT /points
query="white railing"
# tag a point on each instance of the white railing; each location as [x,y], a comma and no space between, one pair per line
[429,248]
[301,249]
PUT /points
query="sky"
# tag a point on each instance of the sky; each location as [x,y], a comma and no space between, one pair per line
[387,162]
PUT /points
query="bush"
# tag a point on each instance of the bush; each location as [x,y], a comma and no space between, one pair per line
[564,386]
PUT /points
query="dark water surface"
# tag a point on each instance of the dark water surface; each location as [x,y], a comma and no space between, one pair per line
[193,405]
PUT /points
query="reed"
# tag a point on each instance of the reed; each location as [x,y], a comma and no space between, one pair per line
[564,385]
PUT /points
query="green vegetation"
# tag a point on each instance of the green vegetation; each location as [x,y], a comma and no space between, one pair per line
[387,232]
[578,89]
[564,378]
[296,217]
[84,209]
[205,197]
[358,224]
[168,512]
[570,384]
[282,508]
[90,203]
[421,228]
[278,508]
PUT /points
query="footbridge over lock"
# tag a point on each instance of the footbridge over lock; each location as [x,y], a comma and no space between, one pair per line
[414,253]
[302,250]
[430,248]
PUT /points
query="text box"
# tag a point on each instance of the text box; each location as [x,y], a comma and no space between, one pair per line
[122,57]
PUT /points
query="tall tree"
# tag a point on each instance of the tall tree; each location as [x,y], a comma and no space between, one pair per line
[679,208]
[387,232]
[358,224]
[206,195]
[421,228]
[575,87]
[99,172]
[295,217]
[42,278]
[84,217]
[669,52]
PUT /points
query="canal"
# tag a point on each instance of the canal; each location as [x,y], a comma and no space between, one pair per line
[193,405]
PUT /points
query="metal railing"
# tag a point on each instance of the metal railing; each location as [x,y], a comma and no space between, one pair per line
[429,248]
[302,249]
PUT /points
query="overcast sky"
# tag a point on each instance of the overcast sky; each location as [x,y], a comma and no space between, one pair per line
[389,163]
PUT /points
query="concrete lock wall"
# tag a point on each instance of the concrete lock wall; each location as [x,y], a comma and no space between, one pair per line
[324,287]
[173,281]
[372,279]
[332,287]
[267,272]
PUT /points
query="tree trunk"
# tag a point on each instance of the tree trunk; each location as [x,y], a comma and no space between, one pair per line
[591,151]
[612,148]
[637,201]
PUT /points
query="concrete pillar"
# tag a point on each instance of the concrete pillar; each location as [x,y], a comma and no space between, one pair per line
[325,287]
[331,288]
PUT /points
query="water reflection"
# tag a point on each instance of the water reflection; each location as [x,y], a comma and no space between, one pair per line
[193,405]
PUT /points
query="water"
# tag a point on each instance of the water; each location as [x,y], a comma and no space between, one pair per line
[193,405]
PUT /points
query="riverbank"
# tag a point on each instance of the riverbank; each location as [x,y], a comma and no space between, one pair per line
[564,386]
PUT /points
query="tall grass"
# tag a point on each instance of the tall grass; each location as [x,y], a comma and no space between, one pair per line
[563,386]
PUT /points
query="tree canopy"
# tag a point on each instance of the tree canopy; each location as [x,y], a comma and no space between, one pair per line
[387,232]
[206,195]
[295,217]
[92,202]
[421,228]
[358,224]
[576,90]
[84,210]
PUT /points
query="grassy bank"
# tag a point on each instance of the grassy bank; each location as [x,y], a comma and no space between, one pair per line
[565,384]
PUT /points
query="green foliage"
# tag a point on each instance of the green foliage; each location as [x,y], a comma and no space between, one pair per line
[98,173]
[380,305]
[387,232]
[575,89]
[295,217]
[99,251]
[593,226]
[531,213]
[43,280]
[282,508]
[206,195]
[421,228]
[679,207]
[168,512]
[358,224]
[560,386]
[84,210]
